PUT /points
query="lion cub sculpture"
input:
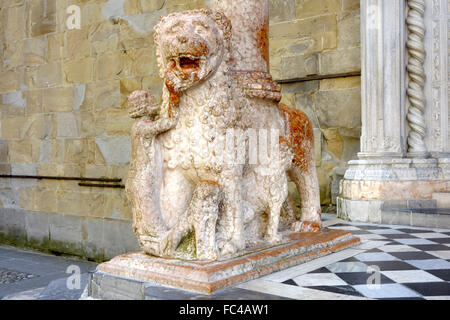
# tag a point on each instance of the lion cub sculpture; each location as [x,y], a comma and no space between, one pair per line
[143,171]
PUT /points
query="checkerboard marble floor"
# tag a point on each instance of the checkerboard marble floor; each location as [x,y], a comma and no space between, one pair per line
[392,262]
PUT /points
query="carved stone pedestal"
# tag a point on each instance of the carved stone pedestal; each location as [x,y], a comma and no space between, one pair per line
[395,191]
[404,164]
[134,271]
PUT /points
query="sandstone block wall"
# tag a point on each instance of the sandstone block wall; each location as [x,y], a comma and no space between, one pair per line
[321,38]
[63,106]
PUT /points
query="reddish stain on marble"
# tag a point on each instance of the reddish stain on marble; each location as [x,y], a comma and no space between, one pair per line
[174,99]
[301,136]
[209,182]
[263,42]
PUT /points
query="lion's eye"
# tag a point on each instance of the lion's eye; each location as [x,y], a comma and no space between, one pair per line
[175,28]
[200,29]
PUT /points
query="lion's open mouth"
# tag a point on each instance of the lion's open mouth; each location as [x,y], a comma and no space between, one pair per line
[188,63]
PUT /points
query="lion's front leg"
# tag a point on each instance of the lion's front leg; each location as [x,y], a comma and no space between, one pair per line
[203,214]
[201,217]
[303,171]
[272,234]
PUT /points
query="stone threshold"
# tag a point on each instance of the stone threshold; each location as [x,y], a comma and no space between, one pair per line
[414,213]
[416,218]
[208,277]
[424,211]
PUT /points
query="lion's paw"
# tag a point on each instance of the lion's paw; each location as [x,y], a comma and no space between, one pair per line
[141,97]
[274,239]
[227,249]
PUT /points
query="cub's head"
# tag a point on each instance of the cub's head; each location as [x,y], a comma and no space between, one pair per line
[191,45]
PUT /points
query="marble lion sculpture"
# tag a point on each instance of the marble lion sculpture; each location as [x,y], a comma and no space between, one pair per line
[191,198]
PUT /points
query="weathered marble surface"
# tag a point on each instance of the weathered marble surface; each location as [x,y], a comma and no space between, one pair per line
[210,166]
[208,277]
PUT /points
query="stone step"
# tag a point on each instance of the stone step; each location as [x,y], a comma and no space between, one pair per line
[442,199]
[421,210]
[208,277]
[417,217]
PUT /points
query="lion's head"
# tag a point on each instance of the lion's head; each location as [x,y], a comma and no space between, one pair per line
[191,45]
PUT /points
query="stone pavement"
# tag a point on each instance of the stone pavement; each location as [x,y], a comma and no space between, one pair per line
[409,262]
[29,275]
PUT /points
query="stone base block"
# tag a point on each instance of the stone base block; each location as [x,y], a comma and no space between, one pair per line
[395,179]
[209,277]
[398,191]
[442,199]
[416,213]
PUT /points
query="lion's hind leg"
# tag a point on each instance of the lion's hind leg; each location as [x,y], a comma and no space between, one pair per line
[303,172]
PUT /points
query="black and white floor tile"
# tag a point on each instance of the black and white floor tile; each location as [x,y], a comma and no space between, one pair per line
[410,263]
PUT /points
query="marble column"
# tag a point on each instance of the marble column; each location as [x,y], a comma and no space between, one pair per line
[250,20]
[383,78]
[404,160]
[437,37]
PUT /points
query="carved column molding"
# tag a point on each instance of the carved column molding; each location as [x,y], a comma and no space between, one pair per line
[405,115]
[383,37]
[437,17]
[415,23]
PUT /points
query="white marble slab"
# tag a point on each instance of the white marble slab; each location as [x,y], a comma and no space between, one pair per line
[347,228]
[330,223]
[375,256]
[398,248]
[410,276]
[430,235]
[311,265]
[438,298]
[430,264]
[440,254]
[319,279]
[293,292]
[386,291]
[371,236]
[415,241]
[386,231]
[340,267]
[369,245]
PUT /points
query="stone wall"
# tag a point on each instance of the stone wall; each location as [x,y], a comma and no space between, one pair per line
[321,37]
[63,106]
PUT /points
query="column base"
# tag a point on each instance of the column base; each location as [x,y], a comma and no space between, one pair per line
[395,191]
[418,155]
